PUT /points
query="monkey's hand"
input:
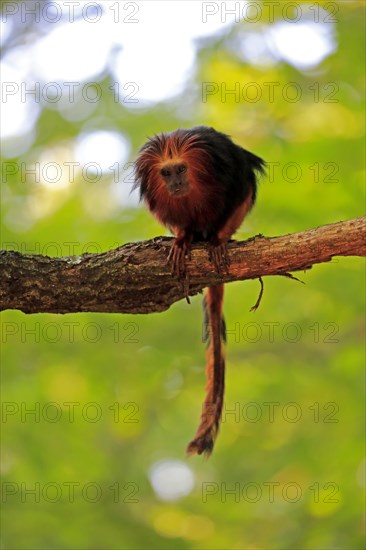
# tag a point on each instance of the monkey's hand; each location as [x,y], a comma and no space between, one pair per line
[177,259]
[218,254]
[177,256]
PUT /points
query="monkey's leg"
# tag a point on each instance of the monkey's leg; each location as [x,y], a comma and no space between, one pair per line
[217,250]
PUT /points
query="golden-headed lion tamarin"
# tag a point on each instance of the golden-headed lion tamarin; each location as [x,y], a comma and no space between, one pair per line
[201,185]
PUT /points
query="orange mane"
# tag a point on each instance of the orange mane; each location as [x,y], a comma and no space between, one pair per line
[200,205]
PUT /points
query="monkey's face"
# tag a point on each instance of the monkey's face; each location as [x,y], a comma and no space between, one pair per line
[175,178]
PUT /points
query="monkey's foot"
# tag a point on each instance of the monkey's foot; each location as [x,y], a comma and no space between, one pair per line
[218,255]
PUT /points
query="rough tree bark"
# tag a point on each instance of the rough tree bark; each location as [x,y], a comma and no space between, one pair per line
[135,278]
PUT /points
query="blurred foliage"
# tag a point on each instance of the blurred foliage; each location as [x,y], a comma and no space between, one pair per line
[302,350]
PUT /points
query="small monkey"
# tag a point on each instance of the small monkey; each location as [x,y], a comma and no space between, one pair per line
[201,185]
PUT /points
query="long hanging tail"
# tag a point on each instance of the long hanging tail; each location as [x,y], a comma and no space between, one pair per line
[215,336]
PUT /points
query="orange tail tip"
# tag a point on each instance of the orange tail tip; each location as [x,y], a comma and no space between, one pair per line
[201,445]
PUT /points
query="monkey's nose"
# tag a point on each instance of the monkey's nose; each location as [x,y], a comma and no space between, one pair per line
[177,187]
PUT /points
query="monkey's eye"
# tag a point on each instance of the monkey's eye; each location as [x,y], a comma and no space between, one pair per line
[165,172]
[181,169]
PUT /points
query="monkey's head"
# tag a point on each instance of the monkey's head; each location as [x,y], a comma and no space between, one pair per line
[175,177]
[170,166]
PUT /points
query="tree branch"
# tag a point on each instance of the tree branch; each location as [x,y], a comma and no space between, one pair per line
[134,278]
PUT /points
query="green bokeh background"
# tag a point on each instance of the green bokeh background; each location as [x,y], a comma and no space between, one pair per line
[152,366]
